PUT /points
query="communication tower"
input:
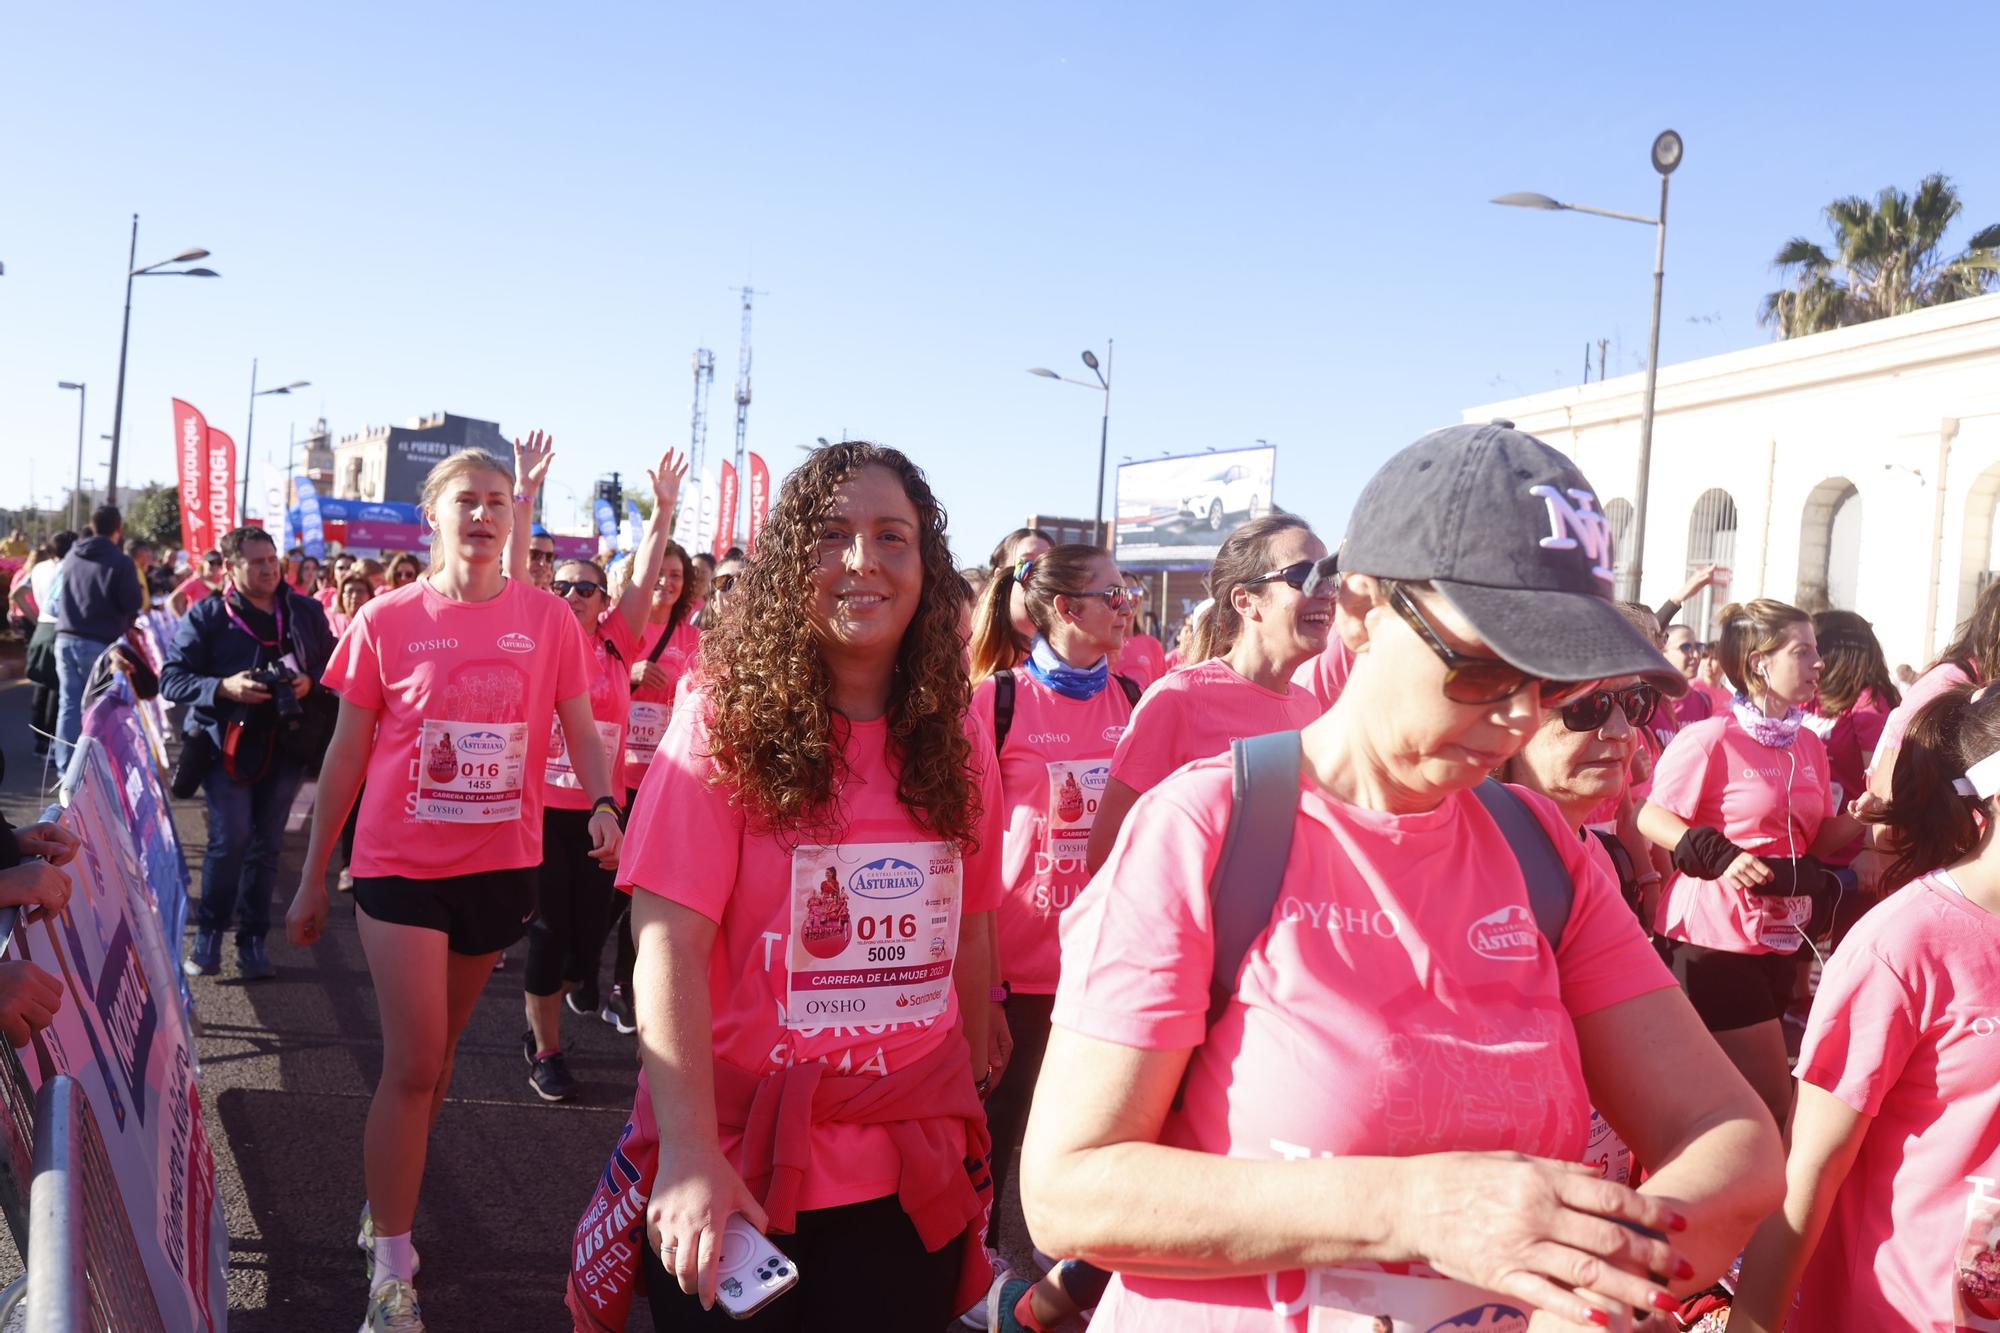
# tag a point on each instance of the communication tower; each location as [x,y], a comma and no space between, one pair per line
[704,375]
[743,408]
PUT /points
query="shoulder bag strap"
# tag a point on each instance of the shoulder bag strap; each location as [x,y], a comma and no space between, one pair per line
[1551,891]
[1249,872]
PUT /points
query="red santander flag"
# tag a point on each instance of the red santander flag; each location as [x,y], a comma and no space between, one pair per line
[220,471]
[725,512]
[760,499]
[198,534]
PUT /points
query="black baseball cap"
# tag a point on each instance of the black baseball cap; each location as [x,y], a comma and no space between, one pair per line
[1509,532]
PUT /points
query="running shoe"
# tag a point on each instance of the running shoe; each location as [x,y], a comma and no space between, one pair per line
[617,1010]
[204,955]
[393,1308]
[582,998]
[345,884]
[549,1076]
[253,963]
[1002,1301]
[366,1243]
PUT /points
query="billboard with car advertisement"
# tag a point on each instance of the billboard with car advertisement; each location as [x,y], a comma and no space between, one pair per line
[1173,513]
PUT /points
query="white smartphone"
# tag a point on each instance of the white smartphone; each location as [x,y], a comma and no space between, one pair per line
[750,1272]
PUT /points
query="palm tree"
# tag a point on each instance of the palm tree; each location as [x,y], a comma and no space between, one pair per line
[1886,260]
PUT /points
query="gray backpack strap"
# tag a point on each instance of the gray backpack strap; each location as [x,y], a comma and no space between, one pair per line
[1243,891]
[1551,891]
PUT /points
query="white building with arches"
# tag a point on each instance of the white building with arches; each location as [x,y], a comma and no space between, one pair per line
[1858,469]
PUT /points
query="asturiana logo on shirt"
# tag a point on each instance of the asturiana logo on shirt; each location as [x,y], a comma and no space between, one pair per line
[1115,732]
[890,877]
[1507,935]
[516,642]
[481,742]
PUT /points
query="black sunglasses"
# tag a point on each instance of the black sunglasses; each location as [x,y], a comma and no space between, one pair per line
[540,557]
[1480,680]
[1690,649]
[724,582]
[1593,710]
[564,587]
[1306,576]
[1118,598]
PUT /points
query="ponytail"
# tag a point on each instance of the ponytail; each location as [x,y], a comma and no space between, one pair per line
[996,645]
[1932,823]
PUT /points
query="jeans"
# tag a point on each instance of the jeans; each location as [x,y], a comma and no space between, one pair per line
[246,835]
[74,658]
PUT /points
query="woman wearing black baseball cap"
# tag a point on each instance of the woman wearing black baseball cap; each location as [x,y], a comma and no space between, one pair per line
[1380,1111]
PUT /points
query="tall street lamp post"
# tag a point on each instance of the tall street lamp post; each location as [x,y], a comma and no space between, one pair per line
[159,270]
[76,493]
[1667,152]
[250,434]
[1103,374]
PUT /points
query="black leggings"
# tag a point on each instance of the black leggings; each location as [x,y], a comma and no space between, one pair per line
[861,1266]
[575,901]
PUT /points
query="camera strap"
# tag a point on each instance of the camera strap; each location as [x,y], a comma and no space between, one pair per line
[278,614]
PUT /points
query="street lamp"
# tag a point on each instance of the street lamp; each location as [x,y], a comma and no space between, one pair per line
[76,494]
[159,270]
[250,433]
[1104,432]
[1667,152]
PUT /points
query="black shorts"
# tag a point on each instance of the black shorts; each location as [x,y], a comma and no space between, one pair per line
[1734,990]
[482,913]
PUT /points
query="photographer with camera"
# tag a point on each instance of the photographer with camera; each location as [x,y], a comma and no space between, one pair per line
[246,663]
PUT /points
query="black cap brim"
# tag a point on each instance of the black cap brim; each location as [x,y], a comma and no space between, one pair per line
[1562,636]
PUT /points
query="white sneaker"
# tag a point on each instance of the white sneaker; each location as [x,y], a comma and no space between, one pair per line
[392,1308]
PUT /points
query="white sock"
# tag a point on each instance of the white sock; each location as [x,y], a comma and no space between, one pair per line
[395,1257]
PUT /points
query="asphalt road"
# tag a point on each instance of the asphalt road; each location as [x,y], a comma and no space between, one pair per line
[287,1067]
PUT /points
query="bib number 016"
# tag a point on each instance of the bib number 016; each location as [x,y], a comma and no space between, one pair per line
[887,928]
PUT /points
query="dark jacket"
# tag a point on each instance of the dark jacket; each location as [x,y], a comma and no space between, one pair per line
[101,596]
[209,645]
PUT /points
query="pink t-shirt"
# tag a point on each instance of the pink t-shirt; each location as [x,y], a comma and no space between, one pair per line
[193,590]
[1053,768]
[1904,1030]
[1694,706]
[1850,740]
[1766,800]
[1144,659]
[610,694]
[806,919]
[328,596]
[465,694]
[652,706]
[1325,676]
[1196,712]
[1928,687]
[1401,1002]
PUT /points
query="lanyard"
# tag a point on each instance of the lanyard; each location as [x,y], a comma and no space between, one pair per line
[278,614]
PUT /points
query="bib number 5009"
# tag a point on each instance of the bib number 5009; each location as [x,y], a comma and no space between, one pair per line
[870,928]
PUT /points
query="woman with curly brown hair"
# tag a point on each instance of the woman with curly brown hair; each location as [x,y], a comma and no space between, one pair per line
[815,866]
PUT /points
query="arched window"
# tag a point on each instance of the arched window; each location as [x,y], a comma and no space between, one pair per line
[1711,541]
[1619,512]
[1830,546]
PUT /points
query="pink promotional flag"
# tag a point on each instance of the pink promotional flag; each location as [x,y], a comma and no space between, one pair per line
[725,523]
[191,467]
[760,499]
[221,482]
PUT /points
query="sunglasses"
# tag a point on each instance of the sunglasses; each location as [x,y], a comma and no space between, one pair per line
[1307,576]
[540,557]
[1690,649]
[1593,710]
[1118,599]
[1480,680]
[725,582]
[586,587]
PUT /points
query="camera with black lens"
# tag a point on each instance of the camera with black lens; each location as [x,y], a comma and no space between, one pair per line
[278,678]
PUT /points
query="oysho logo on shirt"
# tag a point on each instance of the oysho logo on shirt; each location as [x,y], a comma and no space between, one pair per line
[516,642]
[431,645]
[890,877]
[1048,738]
[1507,935]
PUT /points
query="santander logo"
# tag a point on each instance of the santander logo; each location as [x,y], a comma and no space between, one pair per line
[516,642]
[1507,936]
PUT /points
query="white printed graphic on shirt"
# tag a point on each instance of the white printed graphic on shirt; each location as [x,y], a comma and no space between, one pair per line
[874,931]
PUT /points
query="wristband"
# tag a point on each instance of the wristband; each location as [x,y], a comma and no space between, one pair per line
[520,499]
[606,803]
[1703,853]
[1001,993]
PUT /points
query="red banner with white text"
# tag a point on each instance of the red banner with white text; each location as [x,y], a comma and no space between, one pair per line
[191,469]
[725,514]
[760,499]
[221,472]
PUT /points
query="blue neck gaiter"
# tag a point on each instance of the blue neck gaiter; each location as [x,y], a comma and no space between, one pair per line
[1066,680]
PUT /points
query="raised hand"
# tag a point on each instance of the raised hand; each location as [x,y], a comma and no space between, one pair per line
[531,461]
[667,481]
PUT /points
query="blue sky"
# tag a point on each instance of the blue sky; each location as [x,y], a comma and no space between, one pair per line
[534,214]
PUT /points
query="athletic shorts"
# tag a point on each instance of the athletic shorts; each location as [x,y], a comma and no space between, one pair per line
[1734,990]
[482,913]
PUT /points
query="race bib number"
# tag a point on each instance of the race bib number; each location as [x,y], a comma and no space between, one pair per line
[1076,789]
[874,931]
[645,728]
[561,773]
[470,772]
[1606,1152]
[1977,1294]
[1342,1300]
[1782,927]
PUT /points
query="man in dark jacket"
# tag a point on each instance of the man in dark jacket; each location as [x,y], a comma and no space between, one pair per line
[224,644]
[99,599]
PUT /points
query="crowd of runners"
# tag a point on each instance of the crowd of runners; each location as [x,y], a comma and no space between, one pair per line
[1428,941]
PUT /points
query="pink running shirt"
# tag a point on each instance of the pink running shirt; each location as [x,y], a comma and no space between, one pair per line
[1144,659]
[793,914]
[1903,1030]
[1053,767]
[1401,1002]
[194,589]
[1928,687]
[1765,800]
[478,678]
[646,720]
[1196,712]
[1325,676]
[610,695]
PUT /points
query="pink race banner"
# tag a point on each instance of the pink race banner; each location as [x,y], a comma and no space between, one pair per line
[760,499]
[220,480]
[725,524]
